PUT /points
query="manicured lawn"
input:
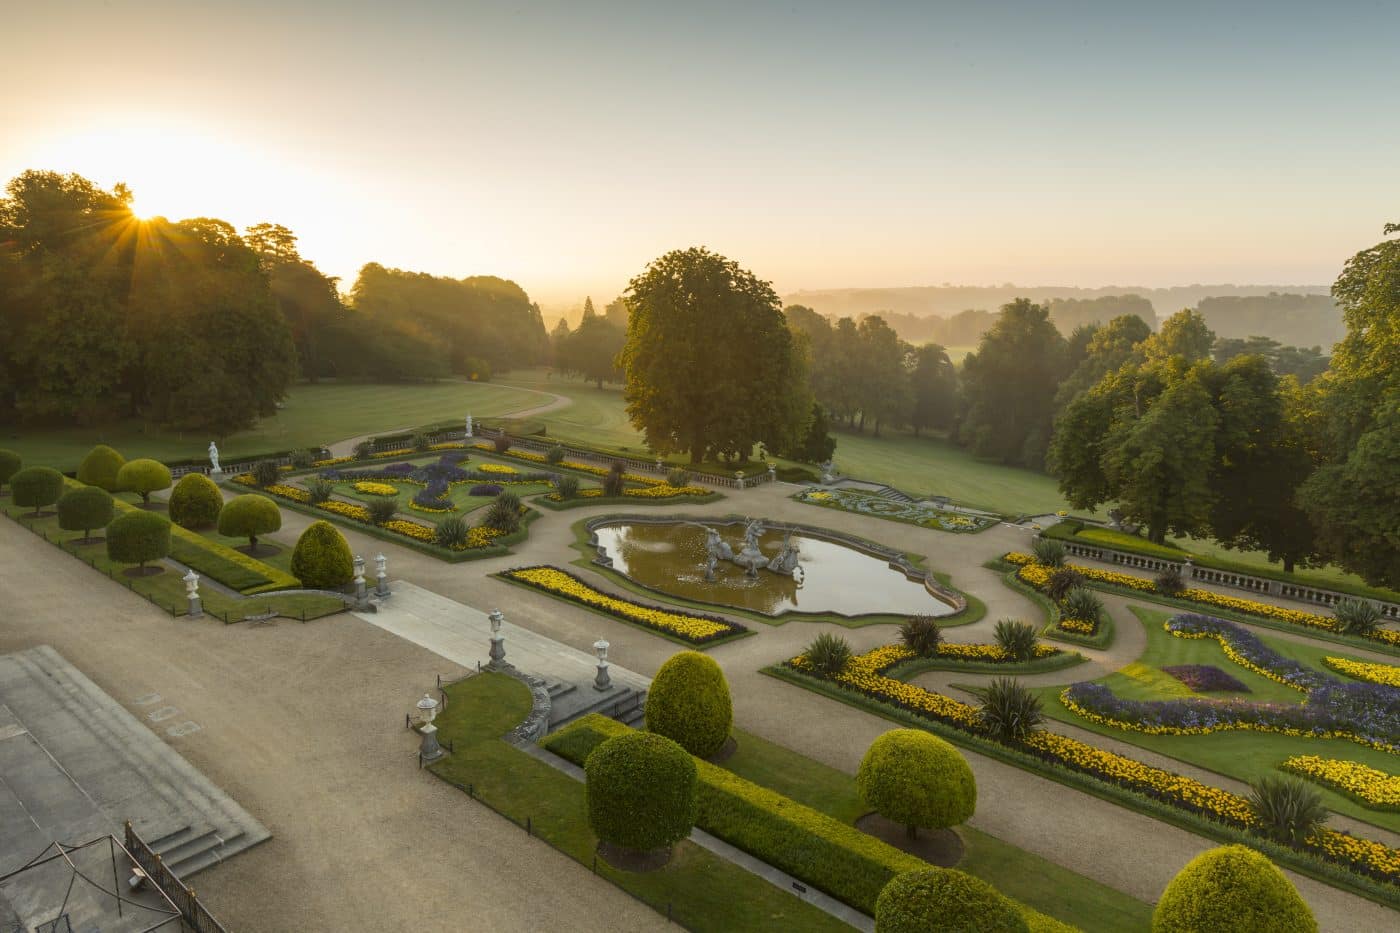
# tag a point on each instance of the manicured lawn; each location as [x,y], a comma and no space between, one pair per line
[1034,881]
[1241,754]
[924,465]
[704,891]
[311,415]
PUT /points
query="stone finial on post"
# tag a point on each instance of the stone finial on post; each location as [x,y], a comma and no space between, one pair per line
[772,472]
[739,477]
[602,681]
[381,574]
[498,641]
[192,594]
[660,465]
[359,577]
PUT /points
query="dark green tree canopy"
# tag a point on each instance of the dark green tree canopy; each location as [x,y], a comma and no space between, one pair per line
[709,362]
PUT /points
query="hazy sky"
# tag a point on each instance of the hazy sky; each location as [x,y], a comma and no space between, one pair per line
[566,144]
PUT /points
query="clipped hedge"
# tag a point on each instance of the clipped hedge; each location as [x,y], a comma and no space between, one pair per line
[137,537]
[248,516]
[945,900]
[913,777]
[689,703]
[322,558]
[100,468]
[641,790]
[84,509]
[195,501]
[10,463]
[144,477]
[1232,889]
[36,487]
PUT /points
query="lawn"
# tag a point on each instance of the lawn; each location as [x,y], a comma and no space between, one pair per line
[704,891]
[311,415]
[922,465]
[1240,754]
[1036,882]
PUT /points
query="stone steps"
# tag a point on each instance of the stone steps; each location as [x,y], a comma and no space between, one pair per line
[894,495]
[621,703]
[124,769]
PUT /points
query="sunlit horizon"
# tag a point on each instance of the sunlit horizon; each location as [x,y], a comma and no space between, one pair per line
[823,147]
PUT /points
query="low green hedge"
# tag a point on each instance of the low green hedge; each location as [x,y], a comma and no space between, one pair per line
[817,849]
[580,502]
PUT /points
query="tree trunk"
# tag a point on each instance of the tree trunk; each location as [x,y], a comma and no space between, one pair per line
[1288,564]
[911,831]
[696,452]
[252,544]
[1157,534]
[861,429]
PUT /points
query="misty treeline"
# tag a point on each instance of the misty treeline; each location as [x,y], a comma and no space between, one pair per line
[1254,444]
[191,325]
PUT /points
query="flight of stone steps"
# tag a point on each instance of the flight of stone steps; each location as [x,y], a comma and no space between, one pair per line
[93,763]
[894,495]
[571,702]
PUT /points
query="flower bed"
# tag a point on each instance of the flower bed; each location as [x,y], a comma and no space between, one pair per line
[333,461]
[497,468]
[1037,575]
[887,656]
[400,452]
[914,513]
[1249,651]
[1373,788]
[375,489]
[865,676]
[1205,678]
[1387,674]
[688,626]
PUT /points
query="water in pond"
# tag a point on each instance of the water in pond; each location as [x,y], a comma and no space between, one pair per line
[670,557]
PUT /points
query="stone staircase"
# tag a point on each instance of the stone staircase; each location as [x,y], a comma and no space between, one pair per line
[570,702]
[91,762]
[894,495]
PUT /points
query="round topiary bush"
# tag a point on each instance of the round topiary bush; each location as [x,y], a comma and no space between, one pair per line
[136,537]
[915,778]
[100,468]
[10,462]
[248,516]
[36,487]
[144,477]
[944,900]
[641,790]
[689,703]
[1231,888]
[322,558]
[195,501]
[84,509]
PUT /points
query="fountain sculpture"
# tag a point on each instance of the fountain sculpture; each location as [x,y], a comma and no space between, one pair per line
[751,558]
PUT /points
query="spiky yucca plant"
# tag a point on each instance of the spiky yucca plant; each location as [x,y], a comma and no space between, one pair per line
[1016,638]
[828,654]
[1287,808]
[921,635]
[1010,711]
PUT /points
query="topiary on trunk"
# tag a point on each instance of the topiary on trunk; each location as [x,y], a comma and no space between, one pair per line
[944,900]
[248,516]
[642,791]
[100,468]
[195,501]
[136,537]
[36,487]
[143,477]
[10,463]
[84,509]
[689,703]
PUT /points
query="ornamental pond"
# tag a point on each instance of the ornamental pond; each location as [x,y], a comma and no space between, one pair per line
[836,577]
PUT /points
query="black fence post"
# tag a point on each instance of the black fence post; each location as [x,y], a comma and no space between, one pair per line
[529,827]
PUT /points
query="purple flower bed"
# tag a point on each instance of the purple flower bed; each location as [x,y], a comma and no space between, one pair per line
[399,469]
[1205,678]
[1248,646]
[485,489]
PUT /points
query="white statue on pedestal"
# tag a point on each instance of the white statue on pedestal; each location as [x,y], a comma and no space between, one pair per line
[469,426]
[214,458]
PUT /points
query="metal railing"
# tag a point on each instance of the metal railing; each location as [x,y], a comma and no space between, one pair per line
[195,915]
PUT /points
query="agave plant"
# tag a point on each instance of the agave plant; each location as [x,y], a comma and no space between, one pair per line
[1082,604]
[421,442]
[921,635]
[1016,638]
[1061,581]
[504,513]
[1357,616]
[828,654]
[1010,712]
[1049,552]
[1287,808]
[320,489]
[382,510]
[567,486]
[1169,582]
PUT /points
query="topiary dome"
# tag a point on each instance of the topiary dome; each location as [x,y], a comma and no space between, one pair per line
[85,508]
[914,778]
[1232,889]
[322,558]
[144,477]
[689,703]
[100,468]
[195,501]
[641,790]
[944,900]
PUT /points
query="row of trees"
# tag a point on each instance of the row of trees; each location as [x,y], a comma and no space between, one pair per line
[192,326]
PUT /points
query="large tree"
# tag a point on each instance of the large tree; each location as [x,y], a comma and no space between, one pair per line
[881,374]
[1009,385]
[1108,347]
[591,349]
[1184,335]
[1352,500]
[933,384]
[710,364]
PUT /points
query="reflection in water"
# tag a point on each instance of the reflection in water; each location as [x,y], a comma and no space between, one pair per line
[671,558]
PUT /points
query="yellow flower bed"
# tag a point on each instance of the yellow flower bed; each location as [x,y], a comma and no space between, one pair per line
[348,510]
[450,445]
[415,507]
[498,468]
[332,461]
[375,489]
[573,465]
[295,493]
[1077,626]
[864,675]
[411,529]
[1367,784]
[400,452]
[664,492]
[689,626]
[1387,674]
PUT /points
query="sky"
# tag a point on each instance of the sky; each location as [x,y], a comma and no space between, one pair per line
[566,144]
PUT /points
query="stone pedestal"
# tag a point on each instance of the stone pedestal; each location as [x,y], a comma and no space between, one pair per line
[381,574]
[360,578]
[429,748]
[602,681]
[196,607]
[498,649]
